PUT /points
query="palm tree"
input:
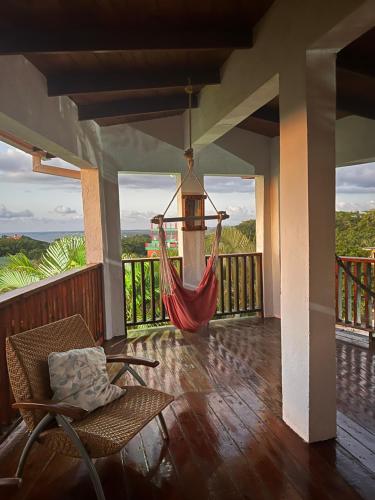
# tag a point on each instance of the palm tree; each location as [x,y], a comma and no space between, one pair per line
[62,255]
[232,241]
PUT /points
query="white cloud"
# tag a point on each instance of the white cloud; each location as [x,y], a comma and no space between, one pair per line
[9,214]
[63,210]
[213,184]
[16,167]
[356,179]
[360,206]
[238,214]
[222,184]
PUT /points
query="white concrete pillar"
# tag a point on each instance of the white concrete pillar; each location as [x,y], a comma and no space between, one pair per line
[263,237]
[191,243]
[274,197]
[307,236]
[101,213]
[267,231]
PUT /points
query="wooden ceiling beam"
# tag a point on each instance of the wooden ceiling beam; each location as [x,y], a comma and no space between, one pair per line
[135,106]
[88,83]
[359,65]
[267,113]
[44,41]
[356,106]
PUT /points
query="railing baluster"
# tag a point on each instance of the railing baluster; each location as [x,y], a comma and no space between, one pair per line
[259,269]
[252,283]
[350,295]
[359,295]
[134,292]
[143,291]
[346,291]
[339,294]
[355,296]
[237,285]
[245,282]
[229,283]
[337,291]
[366,276]
[222,298]
[152,284]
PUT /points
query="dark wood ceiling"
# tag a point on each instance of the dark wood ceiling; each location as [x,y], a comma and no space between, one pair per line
[121,60]
[355,81]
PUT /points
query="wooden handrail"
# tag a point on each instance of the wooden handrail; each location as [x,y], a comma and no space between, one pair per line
[355,293]
[357,259]
[148,259]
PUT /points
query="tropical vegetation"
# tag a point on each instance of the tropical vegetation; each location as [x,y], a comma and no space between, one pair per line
[355,233]
[26,261]
[28,246]
[61,255]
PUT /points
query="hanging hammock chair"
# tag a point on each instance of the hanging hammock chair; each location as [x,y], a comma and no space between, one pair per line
[189,309]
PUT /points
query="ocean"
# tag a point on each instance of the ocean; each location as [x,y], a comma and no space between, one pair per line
[50,236]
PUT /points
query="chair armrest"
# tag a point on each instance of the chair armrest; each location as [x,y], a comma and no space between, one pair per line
[53,407]
[130,360]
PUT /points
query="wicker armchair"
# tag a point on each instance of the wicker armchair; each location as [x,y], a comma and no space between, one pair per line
[97,434]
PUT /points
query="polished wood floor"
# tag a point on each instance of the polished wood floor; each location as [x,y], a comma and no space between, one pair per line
[227,439]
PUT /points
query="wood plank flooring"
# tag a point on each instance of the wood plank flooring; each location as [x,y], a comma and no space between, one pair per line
[227,440]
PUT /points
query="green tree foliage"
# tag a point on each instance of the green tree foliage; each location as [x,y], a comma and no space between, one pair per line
[248,229]
[28,246]
[232,241]
[135,245]
[61,255]
[355,231]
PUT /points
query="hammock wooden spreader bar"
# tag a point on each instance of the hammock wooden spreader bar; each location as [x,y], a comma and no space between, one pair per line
[222,215]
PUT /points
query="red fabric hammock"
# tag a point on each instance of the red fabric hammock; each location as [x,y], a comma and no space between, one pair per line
[189,309]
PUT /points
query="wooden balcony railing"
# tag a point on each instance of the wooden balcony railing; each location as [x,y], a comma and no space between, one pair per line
[143,301]
[240,287]
[355,292]
[74,292]
[240,284]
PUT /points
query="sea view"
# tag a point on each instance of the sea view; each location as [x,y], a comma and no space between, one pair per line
[50,236]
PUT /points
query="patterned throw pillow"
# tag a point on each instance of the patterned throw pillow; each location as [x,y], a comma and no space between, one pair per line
[79,377]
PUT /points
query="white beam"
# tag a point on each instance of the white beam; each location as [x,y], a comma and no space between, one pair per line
[49,124]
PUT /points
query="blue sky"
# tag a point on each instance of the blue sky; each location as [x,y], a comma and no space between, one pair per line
[38,202]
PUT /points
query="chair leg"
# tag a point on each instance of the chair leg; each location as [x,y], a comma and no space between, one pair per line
[163,425]
[94,476]
[31,440]
[136,375]
[16,480]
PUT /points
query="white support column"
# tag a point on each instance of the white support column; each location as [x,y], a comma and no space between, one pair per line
[263,237]
[267,231]
[101,212]
[307,230]
[274,197]
[191,243]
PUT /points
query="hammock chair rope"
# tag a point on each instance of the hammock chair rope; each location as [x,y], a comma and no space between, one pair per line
[188,309]
[189,155]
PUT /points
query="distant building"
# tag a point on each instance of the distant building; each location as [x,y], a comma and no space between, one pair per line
[12,236]
[171,232]
[371,250]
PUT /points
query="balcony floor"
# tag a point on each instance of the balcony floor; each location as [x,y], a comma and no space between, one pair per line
[227,439]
